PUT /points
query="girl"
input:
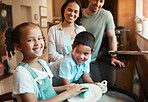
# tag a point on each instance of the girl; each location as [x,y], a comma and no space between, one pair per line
[61,36]
[32,77]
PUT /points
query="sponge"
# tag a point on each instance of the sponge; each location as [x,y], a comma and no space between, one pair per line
[85,93]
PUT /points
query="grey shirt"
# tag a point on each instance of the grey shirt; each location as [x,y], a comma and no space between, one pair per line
[97,24]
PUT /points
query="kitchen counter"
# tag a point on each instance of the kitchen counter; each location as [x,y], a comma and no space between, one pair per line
[123,77]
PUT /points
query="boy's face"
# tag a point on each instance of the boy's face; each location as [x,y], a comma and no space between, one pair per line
[81,53]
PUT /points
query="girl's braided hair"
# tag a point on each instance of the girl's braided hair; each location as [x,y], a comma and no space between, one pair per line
[13,36]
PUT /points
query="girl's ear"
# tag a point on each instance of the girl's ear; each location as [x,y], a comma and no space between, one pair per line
[17,46]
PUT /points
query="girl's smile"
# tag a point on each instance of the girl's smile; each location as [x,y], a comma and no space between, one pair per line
[31,42]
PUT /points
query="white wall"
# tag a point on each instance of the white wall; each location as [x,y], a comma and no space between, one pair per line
[49,11]
[139,8]
[8,2]
[17,12]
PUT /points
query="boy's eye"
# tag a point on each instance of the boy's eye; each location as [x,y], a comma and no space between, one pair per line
[30,40]
[78,51]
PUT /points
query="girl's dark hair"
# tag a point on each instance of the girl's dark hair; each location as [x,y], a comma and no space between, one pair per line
[84,38]
[78,20]
[13,36]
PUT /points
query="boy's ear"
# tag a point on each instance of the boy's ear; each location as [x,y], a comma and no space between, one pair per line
[72,47]
[17,46]
[93,50]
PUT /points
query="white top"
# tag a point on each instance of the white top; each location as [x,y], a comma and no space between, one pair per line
[56,41]
[25,83]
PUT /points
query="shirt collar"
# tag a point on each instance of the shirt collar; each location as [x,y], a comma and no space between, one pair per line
[59,26]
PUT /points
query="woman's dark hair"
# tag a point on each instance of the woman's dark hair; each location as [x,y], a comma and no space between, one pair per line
[78,20]
[84,38]
[13,36]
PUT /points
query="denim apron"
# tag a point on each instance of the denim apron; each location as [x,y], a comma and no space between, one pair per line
[45,87]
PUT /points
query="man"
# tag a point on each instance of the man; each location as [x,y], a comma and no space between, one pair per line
[97,20]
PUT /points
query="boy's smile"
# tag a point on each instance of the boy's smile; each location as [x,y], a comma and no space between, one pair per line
[81,53]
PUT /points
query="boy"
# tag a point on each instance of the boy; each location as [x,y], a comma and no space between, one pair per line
[75,64]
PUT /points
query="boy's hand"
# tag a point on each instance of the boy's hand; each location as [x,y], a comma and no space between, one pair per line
[96,83]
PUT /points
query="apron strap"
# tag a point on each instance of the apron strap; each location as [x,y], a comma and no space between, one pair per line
[40,62]
[34,75]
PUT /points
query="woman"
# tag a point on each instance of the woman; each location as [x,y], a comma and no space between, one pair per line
[61,36]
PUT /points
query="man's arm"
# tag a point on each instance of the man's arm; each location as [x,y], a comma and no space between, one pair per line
[113,47]
[112,40]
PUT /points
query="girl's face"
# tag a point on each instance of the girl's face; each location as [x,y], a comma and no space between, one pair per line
[81,53]
[31,42]
[71,12]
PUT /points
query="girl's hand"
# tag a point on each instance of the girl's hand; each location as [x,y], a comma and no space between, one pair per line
[69,86]
[75,90]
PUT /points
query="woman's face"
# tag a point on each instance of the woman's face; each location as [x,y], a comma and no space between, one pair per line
[71,12]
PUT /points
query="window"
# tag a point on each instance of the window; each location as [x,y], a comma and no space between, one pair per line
[142,12]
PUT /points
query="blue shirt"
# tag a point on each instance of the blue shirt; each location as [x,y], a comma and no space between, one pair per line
[67,44]
[68,69]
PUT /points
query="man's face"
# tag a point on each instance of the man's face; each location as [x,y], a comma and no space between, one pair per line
[96,5]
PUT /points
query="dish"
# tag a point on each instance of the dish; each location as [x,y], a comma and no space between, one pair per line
[94,94]
[103,85]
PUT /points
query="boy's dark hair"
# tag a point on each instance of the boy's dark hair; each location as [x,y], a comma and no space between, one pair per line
[78,21]
[13,36]
[84,38]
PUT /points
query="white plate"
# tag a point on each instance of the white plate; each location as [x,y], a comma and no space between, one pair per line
[94,94]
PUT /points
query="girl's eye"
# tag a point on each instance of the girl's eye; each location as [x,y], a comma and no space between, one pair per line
[70,10]
[86,54]
[101,0]
[76,11]
[40,38]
